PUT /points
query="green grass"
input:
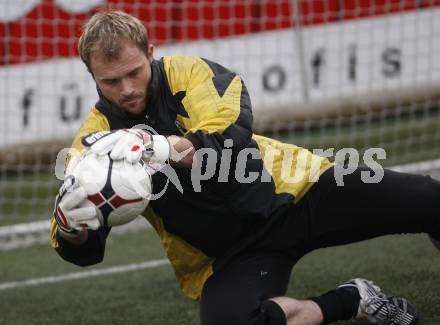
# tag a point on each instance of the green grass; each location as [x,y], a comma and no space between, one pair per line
[403,265]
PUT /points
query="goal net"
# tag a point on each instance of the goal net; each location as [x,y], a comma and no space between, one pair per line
[321,74]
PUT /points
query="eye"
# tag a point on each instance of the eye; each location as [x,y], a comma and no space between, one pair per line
[134,73]
[110,82]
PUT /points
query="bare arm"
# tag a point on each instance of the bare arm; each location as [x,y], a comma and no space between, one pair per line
[182,152]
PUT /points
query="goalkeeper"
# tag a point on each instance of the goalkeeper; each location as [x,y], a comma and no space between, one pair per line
[232,237]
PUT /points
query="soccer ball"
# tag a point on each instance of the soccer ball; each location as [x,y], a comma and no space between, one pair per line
[118,190]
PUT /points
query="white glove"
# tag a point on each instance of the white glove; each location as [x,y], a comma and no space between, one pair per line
[69,214]
[129,144]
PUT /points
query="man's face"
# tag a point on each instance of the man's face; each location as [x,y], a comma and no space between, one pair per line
[124,80]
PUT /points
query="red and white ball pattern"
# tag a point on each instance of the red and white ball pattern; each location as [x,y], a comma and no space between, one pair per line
[118,190]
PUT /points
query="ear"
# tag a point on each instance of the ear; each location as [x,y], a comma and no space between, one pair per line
[150,52]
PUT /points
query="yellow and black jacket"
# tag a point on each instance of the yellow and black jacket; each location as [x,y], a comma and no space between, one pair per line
[207,104]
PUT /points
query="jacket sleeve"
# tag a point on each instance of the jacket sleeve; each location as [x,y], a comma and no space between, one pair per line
[89,253]
[92,251]
[214,103]
[215,111]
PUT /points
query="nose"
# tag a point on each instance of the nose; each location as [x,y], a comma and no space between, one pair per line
[126,87]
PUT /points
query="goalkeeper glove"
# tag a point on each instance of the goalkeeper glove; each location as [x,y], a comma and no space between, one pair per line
[70,217]
[129,144]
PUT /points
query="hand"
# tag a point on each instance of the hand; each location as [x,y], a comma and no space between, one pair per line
[129,144]
[70,217]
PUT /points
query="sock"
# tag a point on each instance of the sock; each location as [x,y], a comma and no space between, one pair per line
[271,314]
[338,304]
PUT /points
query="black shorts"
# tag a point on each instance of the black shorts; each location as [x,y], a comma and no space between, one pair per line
[328,215]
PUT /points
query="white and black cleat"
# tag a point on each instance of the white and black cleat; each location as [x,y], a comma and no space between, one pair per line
[378,308]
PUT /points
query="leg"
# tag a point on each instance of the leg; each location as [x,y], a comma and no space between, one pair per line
[372,304]
[250,290]
[358,298]
[240,293]
[301,312]
[235,292]
[400,203]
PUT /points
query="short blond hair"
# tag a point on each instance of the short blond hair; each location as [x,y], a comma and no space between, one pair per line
[103,32]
